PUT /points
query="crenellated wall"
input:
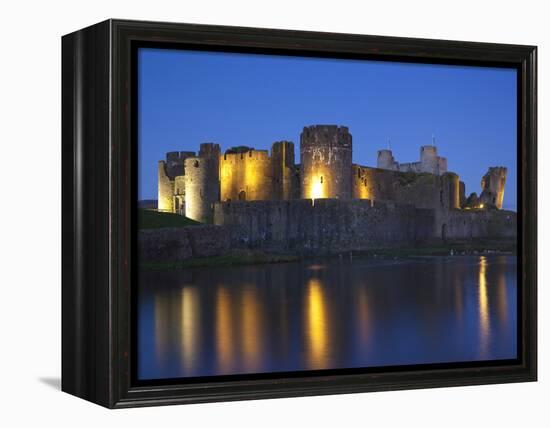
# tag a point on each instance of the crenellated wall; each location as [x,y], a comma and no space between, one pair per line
[334,225]
[429,162]
[322,225]
[325,154]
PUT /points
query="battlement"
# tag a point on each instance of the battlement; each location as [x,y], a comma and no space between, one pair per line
[429,162]
[173,165]
[326,135]
[250,154]
[211,150]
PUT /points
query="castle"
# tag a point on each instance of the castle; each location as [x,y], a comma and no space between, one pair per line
[191,184]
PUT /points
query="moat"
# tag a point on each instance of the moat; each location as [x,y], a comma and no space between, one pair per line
[326,314]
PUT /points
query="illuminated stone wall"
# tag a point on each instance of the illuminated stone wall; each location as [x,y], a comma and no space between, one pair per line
[165,189]
[179,194]
[246,176]
[168,170]
[325,154]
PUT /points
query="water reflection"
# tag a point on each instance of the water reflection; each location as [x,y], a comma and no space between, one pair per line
[336,314]
[317,324]
[224,330]
[484,327]
[190,325]
[251,327]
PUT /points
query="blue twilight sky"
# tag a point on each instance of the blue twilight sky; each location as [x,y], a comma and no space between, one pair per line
[186,98]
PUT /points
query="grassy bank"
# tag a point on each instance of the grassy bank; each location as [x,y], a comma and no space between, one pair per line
[149,219]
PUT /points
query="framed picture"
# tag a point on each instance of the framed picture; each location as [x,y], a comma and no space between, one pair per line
[253,213]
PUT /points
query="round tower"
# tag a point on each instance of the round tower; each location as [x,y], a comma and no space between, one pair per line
[385,160]
[325,155]
[202,187]
[450,191]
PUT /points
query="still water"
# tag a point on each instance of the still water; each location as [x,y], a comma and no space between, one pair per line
[325,315]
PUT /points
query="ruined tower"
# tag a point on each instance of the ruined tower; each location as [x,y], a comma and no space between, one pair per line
[202,183]
[492,185]
[325,152]
[284,170]
[168,170]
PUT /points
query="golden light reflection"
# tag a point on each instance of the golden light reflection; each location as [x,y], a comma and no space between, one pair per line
[363,313]
[316,324]
[502,298]
[224,330]
[251,328]
[483,307]
[162,321]
[190,326]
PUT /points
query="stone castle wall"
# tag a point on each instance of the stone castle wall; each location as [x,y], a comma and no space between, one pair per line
[324,225]
[429,162]
[333,225]
[422,190]
[465,225]
[325,154]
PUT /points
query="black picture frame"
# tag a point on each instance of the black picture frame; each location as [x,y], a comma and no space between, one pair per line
[99,194]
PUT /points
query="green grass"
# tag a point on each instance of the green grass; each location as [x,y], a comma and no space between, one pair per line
[148,219]
[217,261]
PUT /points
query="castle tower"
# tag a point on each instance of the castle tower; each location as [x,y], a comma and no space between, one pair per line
[202,183]
[385,160]
[450,191]
[325,152]
[168,170]
[246,175]
[429,159]
[282,158]
[492,185]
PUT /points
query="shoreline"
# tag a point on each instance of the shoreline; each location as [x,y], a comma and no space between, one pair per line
[251,258]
